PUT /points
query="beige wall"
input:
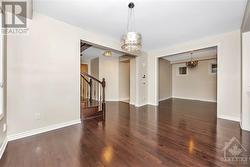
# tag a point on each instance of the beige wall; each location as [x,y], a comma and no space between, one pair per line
[124,80]
[94,67]
[94,71]
[132,93]
[109,69]
[165,79]
[43,74]
[199,84]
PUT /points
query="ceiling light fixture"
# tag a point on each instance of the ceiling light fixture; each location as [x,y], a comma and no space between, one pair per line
[107,53]
[131,41]
[192,63]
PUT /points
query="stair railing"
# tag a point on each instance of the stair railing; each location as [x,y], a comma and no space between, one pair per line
[97,89]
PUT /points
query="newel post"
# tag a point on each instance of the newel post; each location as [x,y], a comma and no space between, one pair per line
[90,87]
[103,98]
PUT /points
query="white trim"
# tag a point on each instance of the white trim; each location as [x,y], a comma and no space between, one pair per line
[3,147]
[244,128]
[230,118]
[112,100]
[140,105]
[187,98]
[151,104]
[124,99]
[165,98]
[42,130]
[132,103]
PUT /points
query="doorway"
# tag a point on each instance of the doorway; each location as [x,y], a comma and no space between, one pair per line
[124,80]
[190,79]
[100,64]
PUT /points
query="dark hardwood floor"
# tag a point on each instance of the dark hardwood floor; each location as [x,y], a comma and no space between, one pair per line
[177,133]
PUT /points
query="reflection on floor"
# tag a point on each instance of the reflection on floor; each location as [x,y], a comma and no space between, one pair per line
[177,133]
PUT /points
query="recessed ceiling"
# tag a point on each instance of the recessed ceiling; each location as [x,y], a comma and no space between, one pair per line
[94,52]
[206,53]
[161,22]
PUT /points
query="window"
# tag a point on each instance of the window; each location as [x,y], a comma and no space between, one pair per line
[213,68]
[182,70]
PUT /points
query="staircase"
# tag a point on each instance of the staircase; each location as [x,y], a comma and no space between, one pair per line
[92,97]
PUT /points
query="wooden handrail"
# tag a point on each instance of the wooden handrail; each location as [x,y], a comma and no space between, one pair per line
[90,83]
[86,80]
[103,82]
[87,75]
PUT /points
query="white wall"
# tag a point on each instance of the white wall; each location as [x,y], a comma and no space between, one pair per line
[165,79]
[245,122]
[124,80]
[141,80]
[3,116]
[109,69]
[245,113]
[132,93]
[229,63]
[43,73]
[199,84]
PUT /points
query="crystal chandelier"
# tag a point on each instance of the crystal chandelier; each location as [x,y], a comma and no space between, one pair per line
[192,63]
[131,41]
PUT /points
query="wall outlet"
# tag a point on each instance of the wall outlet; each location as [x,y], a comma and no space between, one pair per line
[4,127]
[38,116]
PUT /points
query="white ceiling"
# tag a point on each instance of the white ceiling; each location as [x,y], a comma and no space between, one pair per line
[161,22]
[94,52]
[196,55]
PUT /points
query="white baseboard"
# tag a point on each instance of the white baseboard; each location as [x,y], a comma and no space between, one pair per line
[140,105]
[3,147]
[187,98]
[124,99]
[112,100]
[244,127]
[42,130]
[166,98]
[153,104]
[236,119]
